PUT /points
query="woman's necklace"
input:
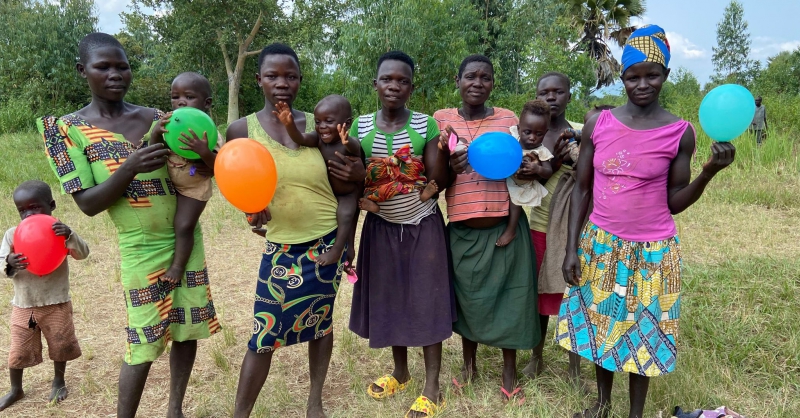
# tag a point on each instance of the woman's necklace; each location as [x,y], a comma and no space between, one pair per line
[466,122]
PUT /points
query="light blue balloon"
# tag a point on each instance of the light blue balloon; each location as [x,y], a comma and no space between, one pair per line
[495,155]
[726,112]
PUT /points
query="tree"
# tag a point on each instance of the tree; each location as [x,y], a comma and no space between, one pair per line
[436,34]
[681,94]
[601,21]
[782,75]
[731,55]
[38,50]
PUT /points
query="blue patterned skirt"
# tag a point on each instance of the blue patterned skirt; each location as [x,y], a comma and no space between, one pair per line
[294,295]
[624,314]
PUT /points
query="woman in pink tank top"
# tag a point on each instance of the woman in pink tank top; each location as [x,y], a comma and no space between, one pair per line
[622,307]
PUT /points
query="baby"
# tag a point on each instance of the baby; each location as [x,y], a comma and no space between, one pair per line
[192,179]
[41,304]
[533,124]
[332,118]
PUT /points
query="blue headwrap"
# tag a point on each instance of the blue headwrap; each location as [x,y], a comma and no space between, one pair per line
[646,44]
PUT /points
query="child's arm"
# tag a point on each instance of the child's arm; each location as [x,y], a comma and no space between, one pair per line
[351,145]
[284,114]
[77,247]
[158,131]
[11,262]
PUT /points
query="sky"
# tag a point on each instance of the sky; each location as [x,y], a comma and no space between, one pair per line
[691,27]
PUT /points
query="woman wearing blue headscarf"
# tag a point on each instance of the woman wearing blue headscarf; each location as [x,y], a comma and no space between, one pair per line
[622,308]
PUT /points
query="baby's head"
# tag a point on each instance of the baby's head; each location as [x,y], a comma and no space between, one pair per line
[192,90]
[331,111]
[34,197]
[533,123]
[595,110]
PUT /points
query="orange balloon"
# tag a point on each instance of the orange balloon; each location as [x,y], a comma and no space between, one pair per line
[246,174]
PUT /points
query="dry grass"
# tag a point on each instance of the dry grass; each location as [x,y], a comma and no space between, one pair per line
[740,336]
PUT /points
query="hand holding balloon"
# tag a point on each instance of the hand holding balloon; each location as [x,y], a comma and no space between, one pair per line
[17,261]
[722,155]
[184,122]
[61,230]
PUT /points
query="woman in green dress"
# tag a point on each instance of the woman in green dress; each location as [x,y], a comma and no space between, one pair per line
[101,158]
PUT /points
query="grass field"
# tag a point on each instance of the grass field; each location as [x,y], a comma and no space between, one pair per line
[739,337]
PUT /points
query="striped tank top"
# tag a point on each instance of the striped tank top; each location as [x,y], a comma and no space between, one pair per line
[418,131]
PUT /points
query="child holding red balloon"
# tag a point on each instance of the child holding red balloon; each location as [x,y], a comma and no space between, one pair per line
[192,180]
[41,304]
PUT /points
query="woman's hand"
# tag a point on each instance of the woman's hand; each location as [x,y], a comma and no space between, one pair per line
[561,149]
[572,268]
[259,219]
[722,155]
[146,159]
[349,169]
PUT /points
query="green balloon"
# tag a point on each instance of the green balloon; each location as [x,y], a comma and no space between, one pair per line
[183,119]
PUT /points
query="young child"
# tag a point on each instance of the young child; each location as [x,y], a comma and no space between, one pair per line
[41,305]
[332,118]
[404,178]
[533,124]
[192,179]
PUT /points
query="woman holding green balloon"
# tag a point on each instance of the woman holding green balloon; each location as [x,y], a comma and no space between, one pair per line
[102,158]
[622,308]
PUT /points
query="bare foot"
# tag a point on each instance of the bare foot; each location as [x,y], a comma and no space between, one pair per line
[315,411]
[506,237]
[11,398]
[368,205]
[534,367]
[59,392]
[428,192]
[331,257]
[596,411]
[173,275]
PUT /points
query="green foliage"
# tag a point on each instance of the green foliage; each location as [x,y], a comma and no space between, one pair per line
[782,75]
[601,21]
[38,50]
[731,55]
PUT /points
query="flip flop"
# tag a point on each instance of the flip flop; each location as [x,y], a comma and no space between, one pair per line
[424,405]
[458,387]
[514,393]
[390,386]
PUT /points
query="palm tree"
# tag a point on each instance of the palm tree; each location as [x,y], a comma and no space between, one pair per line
[602,21]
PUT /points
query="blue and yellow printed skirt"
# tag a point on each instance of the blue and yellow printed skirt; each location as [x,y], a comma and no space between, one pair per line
[294,295]
[624,314]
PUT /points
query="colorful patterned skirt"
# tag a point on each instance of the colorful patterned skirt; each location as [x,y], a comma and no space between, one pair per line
[294,295]
[624,314]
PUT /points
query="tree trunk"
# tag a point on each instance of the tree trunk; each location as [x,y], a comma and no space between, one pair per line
[235,72]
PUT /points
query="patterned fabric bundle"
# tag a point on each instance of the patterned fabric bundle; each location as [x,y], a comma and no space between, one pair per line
[397,174]
[646,44]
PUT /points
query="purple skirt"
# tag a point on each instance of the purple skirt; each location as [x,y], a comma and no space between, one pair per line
[404,293]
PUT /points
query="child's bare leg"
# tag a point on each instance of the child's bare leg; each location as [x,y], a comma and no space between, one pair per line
[16,392]
[427,193]
[368,205]
[510,233]
[344,219]
[59,391]
[186,216]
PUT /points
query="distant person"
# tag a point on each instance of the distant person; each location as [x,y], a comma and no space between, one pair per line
[759,125]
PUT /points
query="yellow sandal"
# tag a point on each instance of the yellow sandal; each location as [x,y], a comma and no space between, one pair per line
[390,386]
[426,406]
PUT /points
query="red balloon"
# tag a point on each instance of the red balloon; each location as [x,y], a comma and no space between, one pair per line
[36,240]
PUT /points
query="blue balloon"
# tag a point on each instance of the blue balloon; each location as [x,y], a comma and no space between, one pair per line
[495,155]
[726,112]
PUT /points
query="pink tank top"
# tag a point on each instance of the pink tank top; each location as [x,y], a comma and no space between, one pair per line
[631,168]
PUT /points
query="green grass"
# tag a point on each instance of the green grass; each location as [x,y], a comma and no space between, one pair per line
[738,344]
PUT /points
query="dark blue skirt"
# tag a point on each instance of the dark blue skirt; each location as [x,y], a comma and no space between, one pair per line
[294,295]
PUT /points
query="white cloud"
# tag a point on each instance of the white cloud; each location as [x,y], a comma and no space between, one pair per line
[789,46]
[684,48]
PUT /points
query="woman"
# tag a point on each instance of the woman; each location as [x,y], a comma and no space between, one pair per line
[622,309]
[554,88]
[101,157]
[294,296]
[403,297]
[495,286]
